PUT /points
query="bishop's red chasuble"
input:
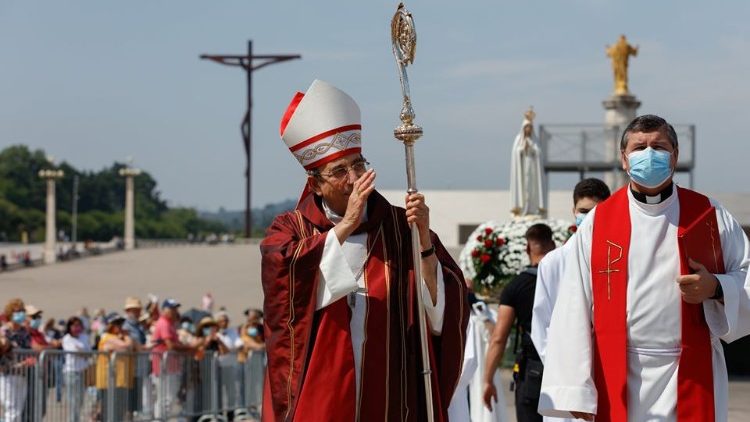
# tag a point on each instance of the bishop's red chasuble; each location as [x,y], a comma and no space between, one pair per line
[609,277]
[310,359]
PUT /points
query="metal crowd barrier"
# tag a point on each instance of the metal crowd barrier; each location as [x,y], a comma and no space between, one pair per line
[15,372]
[135,387]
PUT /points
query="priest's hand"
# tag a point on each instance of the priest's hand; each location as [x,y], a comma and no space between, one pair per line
[583,415]
[489,392]
[418,212]
[355,207]
[698,286]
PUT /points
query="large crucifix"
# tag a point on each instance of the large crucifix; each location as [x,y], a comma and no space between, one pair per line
[248,62]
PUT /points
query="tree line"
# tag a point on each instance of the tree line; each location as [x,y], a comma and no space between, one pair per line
[101,202]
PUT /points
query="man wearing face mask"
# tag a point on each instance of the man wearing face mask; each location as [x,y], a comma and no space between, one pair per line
[635,332]
[252,331]
[586,194]
[34,321]
[38,343]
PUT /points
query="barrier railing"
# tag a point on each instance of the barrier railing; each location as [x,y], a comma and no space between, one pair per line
[56,386]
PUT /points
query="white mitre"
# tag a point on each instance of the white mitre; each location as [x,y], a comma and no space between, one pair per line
[321,125]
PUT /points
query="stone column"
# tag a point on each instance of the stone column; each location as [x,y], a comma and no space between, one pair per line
[50,233]
[619,111]
[129,236]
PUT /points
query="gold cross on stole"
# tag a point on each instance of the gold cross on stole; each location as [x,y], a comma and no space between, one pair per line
[610,262]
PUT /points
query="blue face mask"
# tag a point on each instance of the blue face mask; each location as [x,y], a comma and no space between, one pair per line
[252,331]
[206,331]
[579,218]
[19,317]
[649,167]
[36,323]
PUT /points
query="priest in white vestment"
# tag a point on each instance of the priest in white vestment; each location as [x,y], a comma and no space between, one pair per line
[655,292]
[526,185]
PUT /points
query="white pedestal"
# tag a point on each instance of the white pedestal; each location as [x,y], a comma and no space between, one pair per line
[620,110]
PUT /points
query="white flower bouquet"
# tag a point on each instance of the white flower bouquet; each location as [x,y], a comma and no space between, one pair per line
[496,252]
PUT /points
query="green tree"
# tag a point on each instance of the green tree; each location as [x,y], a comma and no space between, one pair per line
[101,200]
[19,177]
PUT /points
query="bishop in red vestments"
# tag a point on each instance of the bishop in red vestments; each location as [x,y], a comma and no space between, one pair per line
[341,326]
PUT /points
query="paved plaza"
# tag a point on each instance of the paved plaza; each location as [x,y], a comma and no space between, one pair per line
[231,273]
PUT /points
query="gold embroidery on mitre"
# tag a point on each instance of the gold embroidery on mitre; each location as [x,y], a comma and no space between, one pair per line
[610,262]
[340,141]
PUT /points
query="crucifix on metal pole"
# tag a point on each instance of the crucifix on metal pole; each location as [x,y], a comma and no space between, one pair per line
[248,62]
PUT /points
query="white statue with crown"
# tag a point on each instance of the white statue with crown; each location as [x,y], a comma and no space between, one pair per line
[526,184]
[496,251]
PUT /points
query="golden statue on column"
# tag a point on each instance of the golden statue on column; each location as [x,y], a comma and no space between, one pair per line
[620,52]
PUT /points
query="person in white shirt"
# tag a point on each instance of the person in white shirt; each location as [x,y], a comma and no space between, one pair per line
[229,362]
[76,344]
[228,335]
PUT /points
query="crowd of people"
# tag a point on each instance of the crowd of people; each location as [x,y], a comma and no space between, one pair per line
[151,329]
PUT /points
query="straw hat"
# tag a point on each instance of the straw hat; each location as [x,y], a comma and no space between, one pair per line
[206,321]
[132,303]
[32,310]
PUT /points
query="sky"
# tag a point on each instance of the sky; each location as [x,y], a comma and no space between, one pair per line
[93,82]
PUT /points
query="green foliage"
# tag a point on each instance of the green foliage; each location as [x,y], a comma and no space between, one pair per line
[101,199]
[19,180]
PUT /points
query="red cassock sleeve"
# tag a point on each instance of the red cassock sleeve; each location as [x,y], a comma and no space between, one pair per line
[291,253]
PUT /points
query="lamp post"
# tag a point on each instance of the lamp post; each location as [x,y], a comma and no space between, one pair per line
[129,173]
[50,235]
[74,216]
[247,62]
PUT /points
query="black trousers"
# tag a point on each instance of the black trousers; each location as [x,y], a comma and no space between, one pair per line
[528,384]
[525,410]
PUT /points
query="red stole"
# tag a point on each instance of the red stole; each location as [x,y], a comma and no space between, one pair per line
[609,278]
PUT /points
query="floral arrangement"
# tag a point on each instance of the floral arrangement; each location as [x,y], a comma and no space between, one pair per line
[496,252]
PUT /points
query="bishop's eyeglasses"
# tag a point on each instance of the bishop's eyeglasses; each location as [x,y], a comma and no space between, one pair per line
[359,166]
